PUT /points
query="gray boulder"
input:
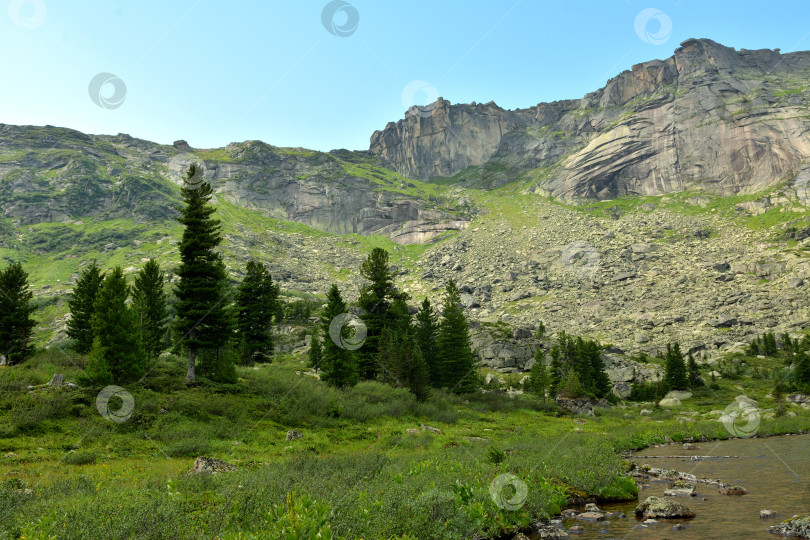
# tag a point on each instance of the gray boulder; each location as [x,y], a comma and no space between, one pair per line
[658,507]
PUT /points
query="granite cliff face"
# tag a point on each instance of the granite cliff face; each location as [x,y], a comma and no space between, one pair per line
[52,174]
[709,117]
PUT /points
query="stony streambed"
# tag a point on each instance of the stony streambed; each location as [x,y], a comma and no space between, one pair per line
[736,489]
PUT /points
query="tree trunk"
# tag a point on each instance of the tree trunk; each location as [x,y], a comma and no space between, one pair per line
[192,358]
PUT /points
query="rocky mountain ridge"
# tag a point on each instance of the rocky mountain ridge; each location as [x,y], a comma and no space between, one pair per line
[52,174]
[709,117]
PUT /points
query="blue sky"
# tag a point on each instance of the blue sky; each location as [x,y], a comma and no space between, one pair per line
[215,72]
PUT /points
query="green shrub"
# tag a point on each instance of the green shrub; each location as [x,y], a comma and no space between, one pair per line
[651,391]
[495,455]
[80,458]
[31,411]
[299,518]
[192,447]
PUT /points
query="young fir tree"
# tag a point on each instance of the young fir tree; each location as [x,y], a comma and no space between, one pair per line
[255,304]
[538,381]
[203,320]
[16,323]
[790,346]
[801,373]
[427,330]
[456,362]
[315,350]
[411,368]
[769,343]
[563,360]
[80,303]
[149,302]
[573,385]
[540,333]
[557,371]
[375,300]
[693,372]
[116,355]
[675,377]
[599,383]
[339,364]
[401,361]
[582,364]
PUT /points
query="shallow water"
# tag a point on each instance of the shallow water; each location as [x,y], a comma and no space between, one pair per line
[775,471]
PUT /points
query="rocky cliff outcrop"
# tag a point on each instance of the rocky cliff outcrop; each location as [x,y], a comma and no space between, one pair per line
[709,117]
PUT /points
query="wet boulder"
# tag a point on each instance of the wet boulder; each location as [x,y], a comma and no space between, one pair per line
[658,507]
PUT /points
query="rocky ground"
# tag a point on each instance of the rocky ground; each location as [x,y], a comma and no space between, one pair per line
[639,281]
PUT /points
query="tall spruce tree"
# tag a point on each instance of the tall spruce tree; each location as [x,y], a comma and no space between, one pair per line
[339,364]
[456,362]
[81,302]
[203,320]
[675,376]
[149,302]
[116,355]
[255,304]
[375,300]
[16,322]
[427,330]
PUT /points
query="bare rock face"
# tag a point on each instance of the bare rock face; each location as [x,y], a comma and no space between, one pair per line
[707,117]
